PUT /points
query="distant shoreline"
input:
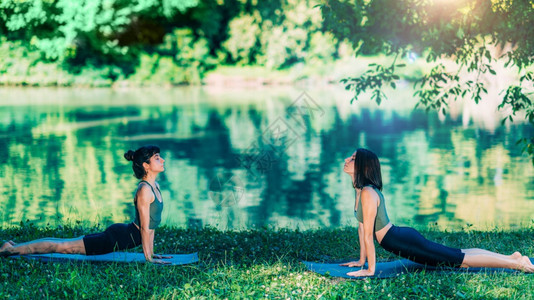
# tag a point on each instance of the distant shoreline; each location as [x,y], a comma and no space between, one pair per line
[224,75]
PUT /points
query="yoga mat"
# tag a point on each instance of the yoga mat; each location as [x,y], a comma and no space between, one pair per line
[396,268]
[122,257]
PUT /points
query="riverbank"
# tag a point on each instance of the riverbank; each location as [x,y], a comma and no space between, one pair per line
[254,264]
[323,73]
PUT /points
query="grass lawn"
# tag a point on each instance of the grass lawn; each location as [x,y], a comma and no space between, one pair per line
[255,264]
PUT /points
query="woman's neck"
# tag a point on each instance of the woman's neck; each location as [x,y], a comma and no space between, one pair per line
[150,178]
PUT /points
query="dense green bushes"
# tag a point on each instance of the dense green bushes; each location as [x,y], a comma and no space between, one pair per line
[155,42]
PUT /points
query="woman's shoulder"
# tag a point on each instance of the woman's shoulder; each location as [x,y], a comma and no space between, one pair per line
[144,189]
[146,184]
[369,187]
[143,185]
[369,191]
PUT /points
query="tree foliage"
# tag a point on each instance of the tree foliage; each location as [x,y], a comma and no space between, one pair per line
[475,34]
[155,41]
[62,28]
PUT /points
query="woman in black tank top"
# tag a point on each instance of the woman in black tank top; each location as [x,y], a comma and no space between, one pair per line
[364,168]
[146,164]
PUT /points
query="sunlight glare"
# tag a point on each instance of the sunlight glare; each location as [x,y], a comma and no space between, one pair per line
[448,1]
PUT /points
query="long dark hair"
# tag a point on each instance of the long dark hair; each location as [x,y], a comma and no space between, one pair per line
[138,157]
[366,170]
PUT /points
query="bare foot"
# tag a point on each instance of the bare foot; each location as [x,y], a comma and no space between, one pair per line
[7,245]
[526,265]
[5,249]
[516,255]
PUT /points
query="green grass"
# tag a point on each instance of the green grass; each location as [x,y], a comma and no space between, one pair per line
[256,263]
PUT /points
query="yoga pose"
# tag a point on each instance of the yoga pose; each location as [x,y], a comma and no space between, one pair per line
[147,164]
[370,211]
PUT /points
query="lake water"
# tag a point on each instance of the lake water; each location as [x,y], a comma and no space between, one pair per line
[238,158]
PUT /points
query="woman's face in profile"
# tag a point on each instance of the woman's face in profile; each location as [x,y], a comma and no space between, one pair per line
[157,163]
[349,164]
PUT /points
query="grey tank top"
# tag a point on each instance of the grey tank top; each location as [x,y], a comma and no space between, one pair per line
[381,219]
[156,207]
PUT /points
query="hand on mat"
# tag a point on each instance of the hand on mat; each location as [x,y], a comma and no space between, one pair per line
[160,262]
[161,256]
[363,272]
[351,264]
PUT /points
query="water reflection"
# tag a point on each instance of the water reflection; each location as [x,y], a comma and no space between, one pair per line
[61,158]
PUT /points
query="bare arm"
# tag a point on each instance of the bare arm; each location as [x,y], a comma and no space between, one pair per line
[363,253]
[144,198]
[363,256]
[369,200]
[152,234]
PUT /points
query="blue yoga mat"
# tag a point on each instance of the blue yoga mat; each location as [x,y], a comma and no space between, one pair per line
[121,257]
[396,268]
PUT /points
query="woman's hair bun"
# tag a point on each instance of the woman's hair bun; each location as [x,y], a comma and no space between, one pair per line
[129,155]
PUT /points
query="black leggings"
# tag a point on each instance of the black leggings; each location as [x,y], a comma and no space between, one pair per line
[409,243]
[116,237]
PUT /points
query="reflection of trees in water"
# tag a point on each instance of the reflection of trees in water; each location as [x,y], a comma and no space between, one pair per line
[462,177]
[434,171]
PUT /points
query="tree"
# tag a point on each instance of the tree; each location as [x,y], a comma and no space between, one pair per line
[475,34]
[102,31]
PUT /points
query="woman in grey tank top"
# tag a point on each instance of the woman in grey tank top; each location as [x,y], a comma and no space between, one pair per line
[370,210]
[146,164]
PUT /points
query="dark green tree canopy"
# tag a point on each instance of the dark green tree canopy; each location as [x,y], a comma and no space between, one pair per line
[104,30]
[475,34]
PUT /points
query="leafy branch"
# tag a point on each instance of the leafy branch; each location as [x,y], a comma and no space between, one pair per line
[458,30]
[516,98]
[374,80]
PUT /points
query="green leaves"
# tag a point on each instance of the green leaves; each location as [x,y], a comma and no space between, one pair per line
[65,29]
[373,80]
[20,14]
[471,33]
[170,7]
[436,88]
[518,101]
